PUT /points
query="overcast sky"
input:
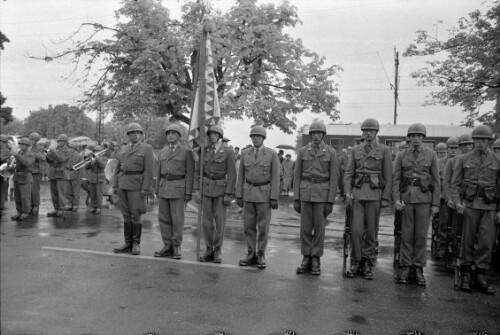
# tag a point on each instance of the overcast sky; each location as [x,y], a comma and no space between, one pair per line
[358,35]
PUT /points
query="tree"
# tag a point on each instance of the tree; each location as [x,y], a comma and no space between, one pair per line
[14,128]
[262,72]
[3,39]
[5,112]
[466,65]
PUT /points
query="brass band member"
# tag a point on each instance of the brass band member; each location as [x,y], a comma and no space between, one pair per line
[95,176]
[39,153]
[5,155]
[58,174]
[23,179]
[74,179]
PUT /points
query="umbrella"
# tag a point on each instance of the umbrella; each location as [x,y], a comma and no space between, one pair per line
[285,146]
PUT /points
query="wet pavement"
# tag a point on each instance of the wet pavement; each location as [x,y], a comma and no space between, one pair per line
[60,276]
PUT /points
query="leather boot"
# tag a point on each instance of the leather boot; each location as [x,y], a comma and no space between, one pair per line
[482,284]
[167,251]
[404,275]
[177,252]
[315,266]
[15,217]
[58,213]
[353,270]
[208,256]
[465,278]
[136,238]
[261,260]
[419,276]
[34,211]
[23,217]
[127,233]
[217,256]
[305,266]
[51,214]
[367,269]
[249,260]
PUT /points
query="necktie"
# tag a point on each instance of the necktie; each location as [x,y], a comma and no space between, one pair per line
[368,148]
[481,157]
[256,152]
[415,153]
[212,152]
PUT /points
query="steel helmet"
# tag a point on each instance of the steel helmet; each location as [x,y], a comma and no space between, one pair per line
[133,127]
[482,131]
[173,127]
[63,137]
[35,136]
[440,147]
[258,130]
[216,129]
[317,126]
[4,138]
[404,144]
[452,142]
[465,139]
[370,124]
[496,144]
[417,128]
[24,140]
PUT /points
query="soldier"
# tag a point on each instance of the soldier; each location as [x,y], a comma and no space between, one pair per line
[23,179]
[96,179]
[315,181]
[257,192]
[131,181]
[287,173]
[5,156]
[58,174]
[114,150]
[174,189]
[475,188]
[441,150]
[219,179]
[416,192]
[496,146]
[39,153]
[73,179]
[343,161]
[368,185]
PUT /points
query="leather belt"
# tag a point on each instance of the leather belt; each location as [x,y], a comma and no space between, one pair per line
[257,184]
[214,176]
[173,177]
[132,172]
[413,181]
[316,180]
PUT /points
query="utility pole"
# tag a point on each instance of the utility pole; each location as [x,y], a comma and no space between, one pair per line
[99,125]
[396,84]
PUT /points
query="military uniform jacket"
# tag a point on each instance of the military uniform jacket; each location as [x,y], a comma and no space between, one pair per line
[422,171]
[5,155]
[471,180]
[369,175]
[219,173]
[58,160]
[316,174]
[74,158]
[95,170]
[134,170]
[264,170]
[177,165]
[39,153]
[447,174]
[24,162]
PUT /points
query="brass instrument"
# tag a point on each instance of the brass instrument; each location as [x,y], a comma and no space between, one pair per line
[5,167]
[88,160]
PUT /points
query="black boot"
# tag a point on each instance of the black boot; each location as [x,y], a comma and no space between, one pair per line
[404,275]
[208,256]
[261,260]
[482,284]
[34,211]
[305,266]
[315,266]
[354,270]
[249,260]
[419,276]
[167,251]
[367,269]
[136,238]
[177,252]
[127,233]
[465,278]
[217,255]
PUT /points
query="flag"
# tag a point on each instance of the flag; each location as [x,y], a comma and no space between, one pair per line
[206,109]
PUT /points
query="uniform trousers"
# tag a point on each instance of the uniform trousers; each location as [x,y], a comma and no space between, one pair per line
[416,219]
[364,228]
[4,190]
[74,192]
[443,222]
[132,205]
[256,220]
[35,190]
[312,228]
[171,219]
[214,221]
[22,197]
[58,189]
[479,232]
[95,194]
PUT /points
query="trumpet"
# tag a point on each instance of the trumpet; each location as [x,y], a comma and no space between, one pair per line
[88,160]
[5,167]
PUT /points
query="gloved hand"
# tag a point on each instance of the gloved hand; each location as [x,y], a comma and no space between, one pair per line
[460,208]
[144,193]
[187,197]
[328,209]
[227,200]
[296,206]
[384,203]
[399,205]
[274,203]
[239,202]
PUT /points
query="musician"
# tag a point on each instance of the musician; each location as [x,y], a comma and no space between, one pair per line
[58,159]
[132,179]
[74,185]
[39,153]
[96,178]
[5,155]
[23,179]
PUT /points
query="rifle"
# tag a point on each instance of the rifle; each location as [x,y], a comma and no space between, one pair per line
[448,259]
[398,222]
[347,237]
[458,247]
[435,233]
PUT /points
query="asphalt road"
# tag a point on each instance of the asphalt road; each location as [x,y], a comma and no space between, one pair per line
[60,276]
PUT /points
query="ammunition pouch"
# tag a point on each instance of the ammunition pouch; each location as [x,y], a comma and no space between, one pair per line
[468,192]
[423,183]
[489,194]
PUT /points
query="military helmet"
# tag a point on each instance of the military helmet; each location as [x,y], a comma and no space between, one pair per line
[496,144]
[452,142]
[133,127]
[404,144]
[24,140]
[317,126]
[173,127]
[482,131]
[216,129]
[417,128]
[370,124]
[35,136]
[465,139]
[63,137]
[258,130]
[440,147]
[4,138]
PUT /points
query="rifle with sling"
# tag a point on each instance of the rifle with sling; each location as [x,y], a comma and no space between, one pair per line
[347,237]
[398,222]
[435,234]
[458,247]
[448,255]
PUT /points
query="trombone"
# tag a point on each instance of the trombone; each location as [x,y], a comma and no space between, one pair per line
[88,160]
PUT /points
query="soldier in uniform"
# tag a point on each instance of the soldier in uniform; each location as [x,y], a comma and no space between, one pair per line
[441,150]
[96,178]
[174,189]
[73,178]
[219,179]
[316,175]
[475,188]
[416,192]
[23,179]
[39,153]
[131,181]
[368,185]
[496,146]
[257,191]
[5,155]
[58,174]
[287,172]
